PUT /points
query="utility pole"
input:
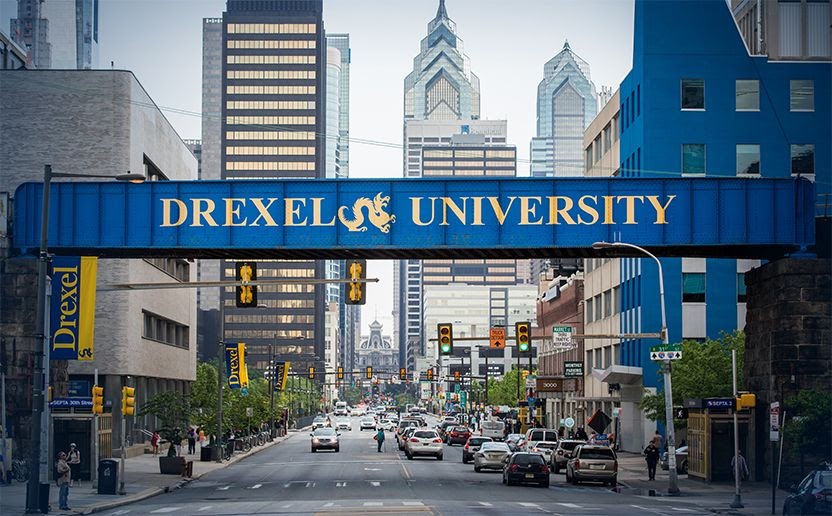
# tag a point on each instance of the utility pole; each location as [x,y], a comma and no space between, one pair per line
[736,503]
[95,451]
[220,360]
[272,385]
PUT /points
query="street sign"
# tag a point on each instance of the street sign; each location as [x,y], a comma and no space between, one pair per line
[573,369]
[249,411]
[497,338]
[569,423]
[774,421]
[562,337]
[666,352]
[548,385]
[531,380]
[720,403]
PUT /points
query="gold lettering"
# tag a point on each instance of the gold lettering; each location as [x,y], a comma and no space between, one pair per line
[447,202]
[183,212]
[231,211]
[477,203]
[68,308]
[555,212]
[292,211]
[608,216]
[316,213]
[264,211]
[661,211]
[589,210]
[498,210]
[416,203]
[204,213]
[57,270]
[527,209]
[630,201]
[67,344]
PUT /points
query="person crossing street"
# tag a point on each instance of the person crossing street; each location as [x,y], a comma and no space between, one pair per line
[379,437]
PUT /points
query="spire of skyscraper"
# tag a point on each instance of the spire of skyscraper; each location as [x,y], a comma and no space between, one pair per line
[441,12]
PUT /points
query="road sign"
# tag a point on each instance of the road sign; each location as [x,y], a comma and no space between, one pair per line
[569,423]
[720,403]
[497,338]
[774,421]
[249,411]
[531,381]
[667,347]
[666,352]
[573,369]
[562,337]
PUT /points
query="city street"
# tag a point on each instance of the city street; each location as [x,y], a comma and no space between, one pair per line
[288,479]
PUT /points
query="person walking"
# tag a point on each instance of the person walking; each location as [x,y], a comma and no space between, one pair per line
[191,441]
[651,455]
[154,442]
[657,440]
[74,461]
[379,437]
[63,477]
[743,467]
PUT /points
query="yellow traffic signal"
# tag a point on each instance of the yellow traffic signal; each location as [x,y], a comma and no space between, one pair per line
[246,272]
[746,401]
[522,331]
[430,374]
[128,401]
[369,373]
[357,272]
[311,373]
[97,399]
[525,374]
[402,373]
[340,373]
[446,338]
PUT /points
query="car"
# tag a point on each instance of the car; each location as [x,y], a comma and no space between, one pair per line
[592,462]
[563,453]
[404,424]
[681,460]
[472,446]
[813,495]
[320,422]
[424,442]
[343,423]
[514,441]
[522,467]
[404,436]
[490,456]
[368,423]
[325,438]
[457,435]
[423,410]
[357,412]
[450,419]
[534,435]
[445,427]
[545,448]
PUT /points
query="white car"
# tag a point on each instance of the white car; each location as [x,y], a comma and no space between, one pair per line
[423,442]
[368,422]
[357,412]
[343,423]
[545,448]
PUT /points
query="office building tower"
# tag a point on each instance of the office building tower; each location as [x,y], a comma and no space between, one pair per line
[341,42]
[59,34]
[273,126]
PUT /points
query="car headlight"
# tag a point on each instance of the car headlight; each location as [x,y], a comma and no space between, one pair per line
[315,440]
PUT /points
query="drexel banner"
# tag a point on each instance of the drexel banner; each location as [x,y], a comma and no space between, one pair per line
[235,365]
[72,321]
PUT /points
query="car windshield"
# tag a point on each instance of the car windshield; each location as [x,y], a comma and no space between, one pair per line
[323,432]
[543,435]
[494,447]
[422,434]
[527,458]
[597,453]
[569,445]
[476,441]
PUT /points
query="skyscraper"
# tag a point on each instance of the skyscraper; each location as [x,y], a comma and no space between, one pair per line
[566,104]
[58,33]
[273,126]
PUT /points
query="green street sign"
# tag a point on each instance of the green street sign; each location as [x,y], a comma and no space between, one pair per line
[666,347]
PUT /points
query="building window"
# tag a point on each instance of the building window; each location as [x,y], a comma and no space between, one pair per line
[608,303]
[589,310]
[599,314]
[693,287]
[741,290]
[748,159]
[693,93]
[748,95]
[803,159]
[165,331]
[802,95]
[693,158]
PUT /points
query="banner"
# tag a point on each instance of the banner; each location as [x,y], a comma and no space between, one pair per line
[281,375]
[72,314]
[235,365]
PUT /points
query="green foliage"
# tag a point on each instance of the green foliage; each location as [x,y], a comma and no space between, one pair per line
[809,432]
[204,396]
[504,391]
[404,398]
[703,372]
[172,410]
[353,395]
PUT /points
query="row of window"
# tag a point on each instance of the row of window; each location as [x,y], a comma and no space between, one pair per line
[164,330]
[748,159]
[272,334]
[269,165]
[270,151]
[270,104]
[270,319]
[173,267]
[602,144]
[270,135]
[270,120]
[270,59]
[801,94]
[286,304]
[266,74]
[467,172]
[269,90]
[271,28]
[603,305]
[271,43]
[693,287]
[468,153]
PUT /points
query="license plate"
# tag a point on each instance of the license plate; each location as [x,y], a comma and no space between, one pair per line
[529,475]
[596,466]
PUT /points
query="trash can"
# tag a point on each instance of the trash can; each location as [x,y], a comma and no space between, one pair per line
[43,496]
[205,453]
[107,476]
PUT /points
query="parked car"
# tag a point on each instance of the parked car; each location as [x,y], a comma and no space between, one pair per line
[592,462]
[472,446]
[563,453]
[325,438]
[681,460]
[457,435]
[424,442]
[812,496]
[524,467]
[491,456]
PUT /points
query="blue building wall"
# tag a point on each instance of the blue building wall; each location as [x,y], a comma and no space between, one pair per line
[679,39]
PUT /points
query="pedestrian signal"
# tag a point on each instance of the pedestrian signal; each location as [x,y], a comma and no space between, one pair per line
[97,399]
[246,272]
[128,401]
[446,338]
[357,273]
[746,401]
[522,331]
[680,413]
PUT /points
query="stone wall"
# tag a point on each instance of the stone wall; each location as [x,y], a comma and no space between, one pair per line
[788,342]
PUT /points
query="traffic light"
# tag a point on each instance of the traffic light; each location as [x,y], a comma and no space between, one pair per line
[97,399]
[357,272]
[456,376]
[525,374]
[369,373]
[311,373]
[446,338]
[128,401]
[522,332]
[746,401]
[246,272]
[340,373]
[430,374]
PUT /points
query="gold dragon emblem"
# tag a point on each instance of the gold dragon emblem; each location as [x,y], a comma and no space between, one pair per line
[376,214]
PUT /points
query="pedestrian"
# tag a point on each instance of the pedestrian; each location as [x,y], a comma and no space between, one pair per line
[561,432]
[201,438]
[651,455]
[74,461]
[379,437]
[154,442]
[743,467]
[581,434]
[191,441]
[657,440]
[63,477]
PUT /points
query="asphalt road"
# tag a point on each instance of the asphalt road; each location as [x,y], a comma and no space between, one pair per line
[288,479]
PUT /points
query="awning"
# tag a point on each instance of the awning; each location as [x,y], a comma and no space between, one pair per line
[618,374]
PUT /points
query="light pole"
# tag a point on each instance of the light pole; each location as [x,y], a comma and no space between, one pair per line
[41,352]
[673,480]
[272,385]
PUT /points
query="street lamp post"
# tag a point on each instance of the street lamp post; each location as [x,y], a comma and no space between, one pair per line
[41,352]
[272,385]
[673,479]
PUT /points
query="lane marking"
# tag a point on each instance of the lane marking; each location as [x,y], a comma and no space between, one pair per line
[373,504]
[486,504]
[682,509]
[286,506]
[310,484]
[570,505]
[122,511]
[224,488]
[528,504]
[256,486]
[328,504]
[406,473]
[207,507]
[340,484]
[375,484]
[165,509]
[420,504]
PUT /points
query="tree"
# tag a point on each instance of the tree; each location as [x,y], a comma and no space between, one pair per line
[172,410]
[808,432]
[204,396]
[703,372]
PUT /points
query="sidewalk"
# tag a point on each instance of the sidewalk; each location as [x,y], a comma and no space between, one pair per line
[143,480]
[756,496]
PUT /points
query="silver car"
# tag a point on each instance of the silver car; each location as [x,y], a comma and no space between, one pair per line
[545,448]
[423,442]
[491,456]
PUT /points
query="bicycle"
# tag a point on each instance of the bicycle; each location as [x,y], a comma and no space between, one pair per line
[20,470]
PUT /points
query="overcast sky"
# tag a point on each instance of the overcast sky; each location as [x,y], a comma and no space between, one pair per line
[508,42]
